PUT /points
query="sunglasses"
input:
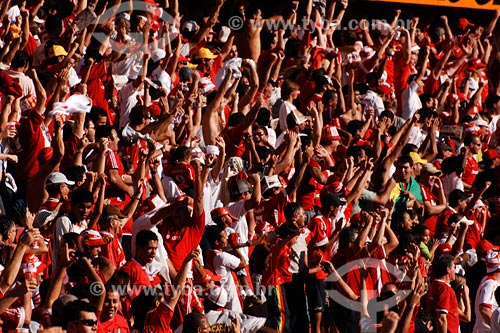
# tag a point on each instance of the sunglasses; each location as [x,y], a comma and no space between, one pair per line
[88,322]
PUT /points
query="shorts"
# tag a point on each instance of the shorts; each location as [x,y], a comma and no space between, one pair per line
[316,295]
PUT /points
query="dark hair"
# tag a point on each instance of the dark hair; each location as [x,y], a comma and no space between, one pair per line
[180,153]
[263,117]
[53,25]
[104,131]
[137,114]
[71,311]
[290,210]
[118,281]
[354,125]
[469,138]
[193,321]
[329,199]
[20,59]
[491,99]
[6,223]
[81,195]
[235,119]
[144,237]
[96,112]
[347,236]
[441,264]
[75,173]
[213,234]
[455,196]
[404,159]
[143,303]
[387,113]
[409,148]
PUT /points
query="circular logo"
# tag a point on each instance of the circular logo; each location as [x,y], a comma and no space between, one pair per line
[235,22]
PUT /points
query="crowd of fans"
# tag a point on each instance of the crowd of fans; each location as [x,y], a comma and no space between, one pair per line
[164,173]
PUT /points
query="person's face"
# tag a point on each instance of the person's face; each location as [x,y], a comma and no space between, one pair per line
[111,305]
[447,153]
[417,167]
[11,236]
[82,210]
[223,242]
[462,205]
[147,254]
[404,171]
[475,145]
[234,52]
[451,271]
[295,94]
[86,324]
[95,251]
[102,120]
[300,218]
[426,236]
[233,166]
[113,141]
[206,64]
[91,131]
[259,136]
[407,222]
[64,189]
[268,90]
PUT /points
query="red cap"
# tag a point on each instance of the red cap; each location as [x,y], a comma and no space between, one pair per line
[464,23]
[92,238]
[330,133]
[222,211]
[475,64]
[443,249]
[484,246]
[490,154]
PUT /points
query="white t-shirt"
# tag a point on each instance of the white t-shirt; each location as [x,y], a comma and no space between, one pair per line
[224,264]
[410,101]
[285,109]
[495,321]
[222,321]
[62,227]
[485,295]
[240,226]
[128,99]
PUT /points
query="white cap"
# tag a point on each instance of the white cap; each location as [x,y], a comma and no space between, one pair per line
[58,178]
[189,26]
[218,295]
[210,149]
[158,54]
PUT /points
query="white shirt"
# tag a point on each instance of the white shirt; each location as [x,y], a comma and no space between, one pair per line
[495,321]
[485,295]
[224,263]
[410,101]
[249,324]
[128,99]
[285,109]
[62,227]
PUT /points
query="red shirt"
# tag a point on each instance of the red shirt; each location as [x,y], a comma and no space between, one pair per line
[180,243]
[139,277]
[113,250]
[95,87]
[272,210]
[430,220]
[442,222]
[441,299]
[471,170]
[70,147]
[234,141]
[159,319]
[277,269]
[182,173]
[113,162]
[307,189]
[109,326]
[32,142]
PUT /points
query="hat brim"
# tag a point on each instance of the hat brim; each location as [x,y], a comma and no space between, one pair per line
[94,243]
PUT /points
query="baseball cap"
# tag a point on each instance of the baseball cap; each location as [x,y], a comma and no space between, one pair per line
[430,169]
[222,211]
[112,210]
[56,51]
[92,238]
[330,133]
[484,246]
[492,261]
[244,186]
[205,53]
[157,55]
[58,178]
[218,296]
[417,159]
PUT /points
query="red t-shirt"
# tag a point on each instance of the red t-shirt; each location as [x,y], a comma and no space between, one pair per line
[109,326]
[277,269]
[307,189]
[138,277]
[180,243]
[32,142]
[159,319]
[471,170]
[95,87]
[272,210]
[182,173]
[234,141]
[430,220]
[113,250]
[442,222]
[441,299]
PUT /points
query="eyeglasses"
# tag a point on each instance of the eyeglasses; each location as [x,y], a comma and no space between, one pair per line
[87,322]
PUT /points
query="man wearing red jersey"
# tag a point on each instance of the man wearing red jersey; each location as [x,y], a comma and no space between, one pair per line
[137,268]
[472,145]
[441,299]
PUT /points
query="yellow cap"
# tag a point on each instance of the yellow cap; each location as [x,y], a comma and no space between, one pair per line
[56,51]
[205,53]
